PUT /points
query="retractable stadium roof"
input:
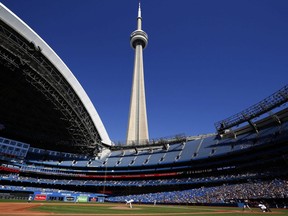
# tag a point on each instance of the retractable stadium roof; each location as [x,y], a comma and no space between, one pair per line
[41,101]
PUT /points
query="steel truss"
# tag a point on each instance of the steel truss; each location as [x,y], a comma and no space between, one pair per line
[275,100]
[17,52]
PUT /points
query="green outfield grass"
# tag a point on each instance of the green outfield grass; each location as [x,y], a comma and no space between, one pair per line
[82,209]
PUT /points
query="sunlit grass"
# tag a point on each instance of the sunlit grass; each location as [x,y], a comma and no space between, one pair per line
[123,209]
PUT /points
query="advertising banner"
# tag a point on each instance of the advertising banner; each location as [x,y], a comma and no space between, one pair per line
[93,199]
[82,199]
[40,197]
[70,199]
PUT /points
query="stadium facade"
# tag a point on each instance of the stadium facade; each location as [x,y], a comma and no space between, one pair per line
[47,111]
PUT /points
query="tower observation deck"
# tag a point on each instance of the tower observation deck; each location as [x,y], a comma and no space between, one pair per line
[137,132]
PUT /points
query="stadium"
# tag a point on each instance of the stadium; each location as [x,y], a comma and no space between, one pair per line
[54,146]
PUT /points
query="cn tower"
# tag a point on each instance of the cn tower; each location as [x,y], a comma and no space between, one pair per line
[137,132]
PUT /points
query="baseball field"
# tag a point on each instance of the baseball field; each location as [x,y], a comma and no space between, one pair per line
[108,209]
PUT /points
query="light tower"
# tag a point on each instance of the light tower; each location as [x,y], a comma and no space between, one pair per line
[137,132]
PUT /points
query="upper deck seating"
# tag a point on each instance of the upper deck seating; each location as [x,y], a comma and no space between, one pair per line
[205,147]
[141,159]
[189,150]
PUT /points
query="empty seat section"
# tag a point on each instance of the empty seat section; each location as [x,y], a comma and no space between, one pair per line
[140,159]
[244,141]
[112,161]
[155,158]
[82,163]
[114,157]
[225,146]
[66,163]
[125,162]
[95,163]
[189,149]
[170,156]
[205,147]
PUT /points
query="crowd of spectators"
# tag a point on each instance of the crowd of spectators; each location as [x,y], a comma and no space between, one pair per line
[15,177]
[253,190]
[220,194]
[31,189]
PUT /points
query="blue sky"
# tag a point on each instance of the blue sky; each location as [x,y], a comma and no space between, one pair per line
[205,60]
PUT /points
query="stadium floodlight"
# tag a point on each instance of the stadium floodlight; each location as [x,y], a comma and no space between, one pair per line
[275,100]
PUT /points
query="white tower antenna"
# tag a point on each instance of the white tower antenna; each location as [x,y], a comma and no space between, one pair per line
[137,132]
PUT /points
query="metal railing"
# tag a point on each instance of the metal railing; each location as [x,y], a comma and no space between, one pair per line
[278,98]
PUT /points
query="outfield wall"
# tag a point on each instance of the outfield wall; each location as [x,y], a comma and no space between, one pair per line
[52,196]
[67,197]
